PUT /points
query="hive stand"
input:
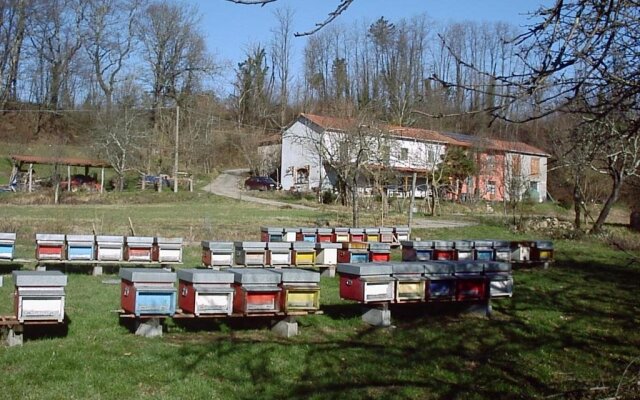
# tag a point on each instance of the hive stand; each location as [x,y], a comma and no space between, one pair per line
[11,330]
[145,326]
[287,327]
[377,315]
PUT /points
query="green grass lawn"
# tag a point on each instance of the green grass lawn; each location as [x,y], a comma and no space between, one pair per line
[568,332]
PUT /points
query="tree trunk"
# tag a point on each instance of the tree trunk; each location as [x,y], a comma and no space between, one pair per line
[577,204]
[354,202]
[617,178]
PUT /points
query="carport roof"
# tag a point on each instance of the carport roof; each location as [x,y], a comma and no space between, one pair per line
[72,161]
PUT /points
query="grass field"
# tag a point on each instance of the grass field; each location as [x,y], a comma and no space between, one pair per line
[569,331]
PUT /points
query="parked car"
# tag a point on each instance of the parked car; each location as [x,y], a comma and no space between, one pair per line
[261,183]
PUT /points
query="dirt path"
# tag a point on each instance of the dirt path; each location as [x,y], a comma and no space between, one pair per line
[229,184]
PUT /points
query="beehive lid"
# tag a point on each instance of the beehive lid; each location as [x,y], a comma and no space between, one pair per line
[155,275]
[254,276]
[279,245]
[110,239]
[422,244]
[356,230]
[324,231]
[49,237]
[8,236]
[195,275]
[463,244]
[304,245]
[39,278]
[140,241]
[365,269]
[401,229]
[308,230]
[271,229]
[495,266]
[442,244]
[385,230]
[469,266]
[218,246]
[80,238]
[501,244]
[251,245]
[289,230]
[328,245]
[438,268]
[371,231]
[297,275]
[544,244]
[408,268]
[355,245]
[377,246]
[482,244]
[341,230]
[163,240]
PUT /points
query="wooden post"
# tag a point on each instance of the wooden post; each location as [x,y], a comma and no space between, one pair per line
[102,180]
[413,197]
[30,176]
[68,178]
[175,158]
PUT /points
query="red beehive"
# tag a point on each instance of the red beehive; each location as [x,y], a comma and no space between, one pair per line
[366,283]
[256,291]
[205,292]
[49,246]
[138,248]
[356,235]
[379,252]
[324,235]
[443,250]
[471,284]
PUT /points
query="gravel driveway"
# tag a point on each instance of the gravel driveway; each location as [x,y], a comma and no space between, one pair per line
[229,184]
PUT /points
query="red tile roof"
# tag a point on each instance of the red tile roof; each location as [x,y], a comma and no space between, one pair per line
[344,124]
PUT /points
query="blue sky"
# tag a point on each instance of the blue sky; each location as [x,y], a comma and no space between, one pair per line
[231,28]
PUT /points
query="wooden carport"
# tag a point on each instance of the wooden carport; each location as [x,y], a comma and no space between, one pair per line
[20,160]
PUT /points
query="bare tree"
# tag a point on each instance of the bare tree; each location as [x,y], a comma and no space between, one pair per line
[122,137]
[55,38]
[108,33]
[15,16]
[281,57]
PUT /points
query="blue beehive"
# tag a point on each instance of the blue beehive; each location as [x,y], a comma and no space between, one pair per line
[441,280]
[80,247]
[483,250]
[148,291]
[7,246]
[413,250]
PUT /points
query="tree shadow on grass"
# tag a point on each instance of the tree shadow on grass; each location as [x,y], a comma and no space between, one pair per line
[566,330]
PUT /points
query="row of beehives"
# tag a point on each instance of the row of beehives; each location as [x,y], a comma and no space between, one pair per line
[228,254]
[335,235]
[40,295]
[204,292]
[487,250]
[404,282]
[61,247]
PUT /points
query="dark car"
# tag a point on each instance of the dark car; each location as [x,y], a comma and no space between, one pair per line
[260,183]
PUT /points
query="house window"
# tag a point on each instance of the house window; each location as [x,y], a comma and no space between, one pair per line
[302,176]
[535,166]
[490,164]
[491,188]
[404,154]
[431,156]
